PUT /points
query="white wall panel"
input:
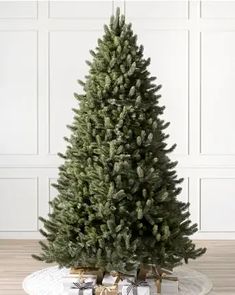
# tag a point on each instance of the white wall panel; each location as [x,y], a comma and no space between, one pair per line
[217,9]
[18,92]
[217,92]
[121,4]
[49,41]
[68,52]
[169,63]
[18,9]
[157,9]
[19,204]
[218,204]
[80,9]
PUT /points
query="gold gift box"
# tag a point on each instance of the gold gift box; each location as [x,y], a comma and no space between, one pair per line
[106,290]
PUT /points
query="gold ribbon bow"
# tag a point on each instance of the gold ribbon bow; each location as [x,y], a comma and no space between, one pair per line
[105,290]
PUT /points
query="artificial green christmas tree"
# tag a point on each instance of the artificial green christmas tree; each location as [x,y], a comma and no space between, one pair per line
[117,201]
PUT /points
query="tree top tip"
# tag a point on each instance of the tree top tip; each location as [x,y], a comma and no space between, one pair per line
[118,12]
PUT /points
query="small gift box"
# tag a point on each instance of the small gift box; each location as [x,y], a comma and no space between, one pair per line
[88,272]
[136,288]
[81,289]
[106,290]
[160,280]
[68,281]
[118,278]
[111,279]
[125,281]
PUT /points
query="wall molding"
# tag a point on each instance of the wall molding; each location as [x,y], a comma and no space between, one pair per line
[37,92]
[201,179]
[23,18]
[201,98]
[194,164]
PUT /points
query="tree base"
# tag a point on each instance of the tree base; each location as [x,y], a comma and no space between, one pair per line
[48,281]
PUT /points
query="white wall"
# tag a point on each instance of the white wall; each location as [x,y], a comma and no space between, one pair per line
[43,46]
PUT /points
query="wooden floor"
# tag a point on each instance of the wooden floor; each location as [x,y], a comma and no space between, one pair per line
[16,263]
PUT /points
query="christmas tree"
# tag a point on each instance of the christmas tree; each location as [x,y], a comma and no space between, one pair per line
[117,201]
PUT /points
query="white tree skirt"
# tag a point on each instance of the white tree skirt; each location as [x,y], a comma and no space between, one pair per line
[48,281]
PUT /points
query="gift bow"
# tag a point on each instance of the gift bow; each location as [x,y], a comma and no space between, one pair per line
[106,289]
[82,287]
[133,286]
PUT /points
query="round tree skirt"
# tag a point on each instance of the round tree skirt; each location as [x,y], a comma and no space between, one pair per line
[48,281]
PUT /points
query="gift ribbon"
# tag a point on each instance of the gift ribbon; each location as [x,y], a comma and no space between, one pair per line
[134,285]
[163,276]
[82,287]
[160,276]
[118,275]
[80,273]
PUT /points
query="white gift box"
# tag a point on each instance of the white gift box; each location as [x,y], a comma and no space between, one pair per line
[124,282]
[141,290]
[110,280]
[69,280]
[169,287]
[76,292]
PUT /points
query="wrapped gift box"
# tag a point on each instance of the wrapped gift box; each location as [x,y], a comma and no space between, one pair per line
[160,280]
[106,290]
[81,289]
[110,279]
[136,290]
[68,281]
[79,292]
[125,281]
[120,279]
